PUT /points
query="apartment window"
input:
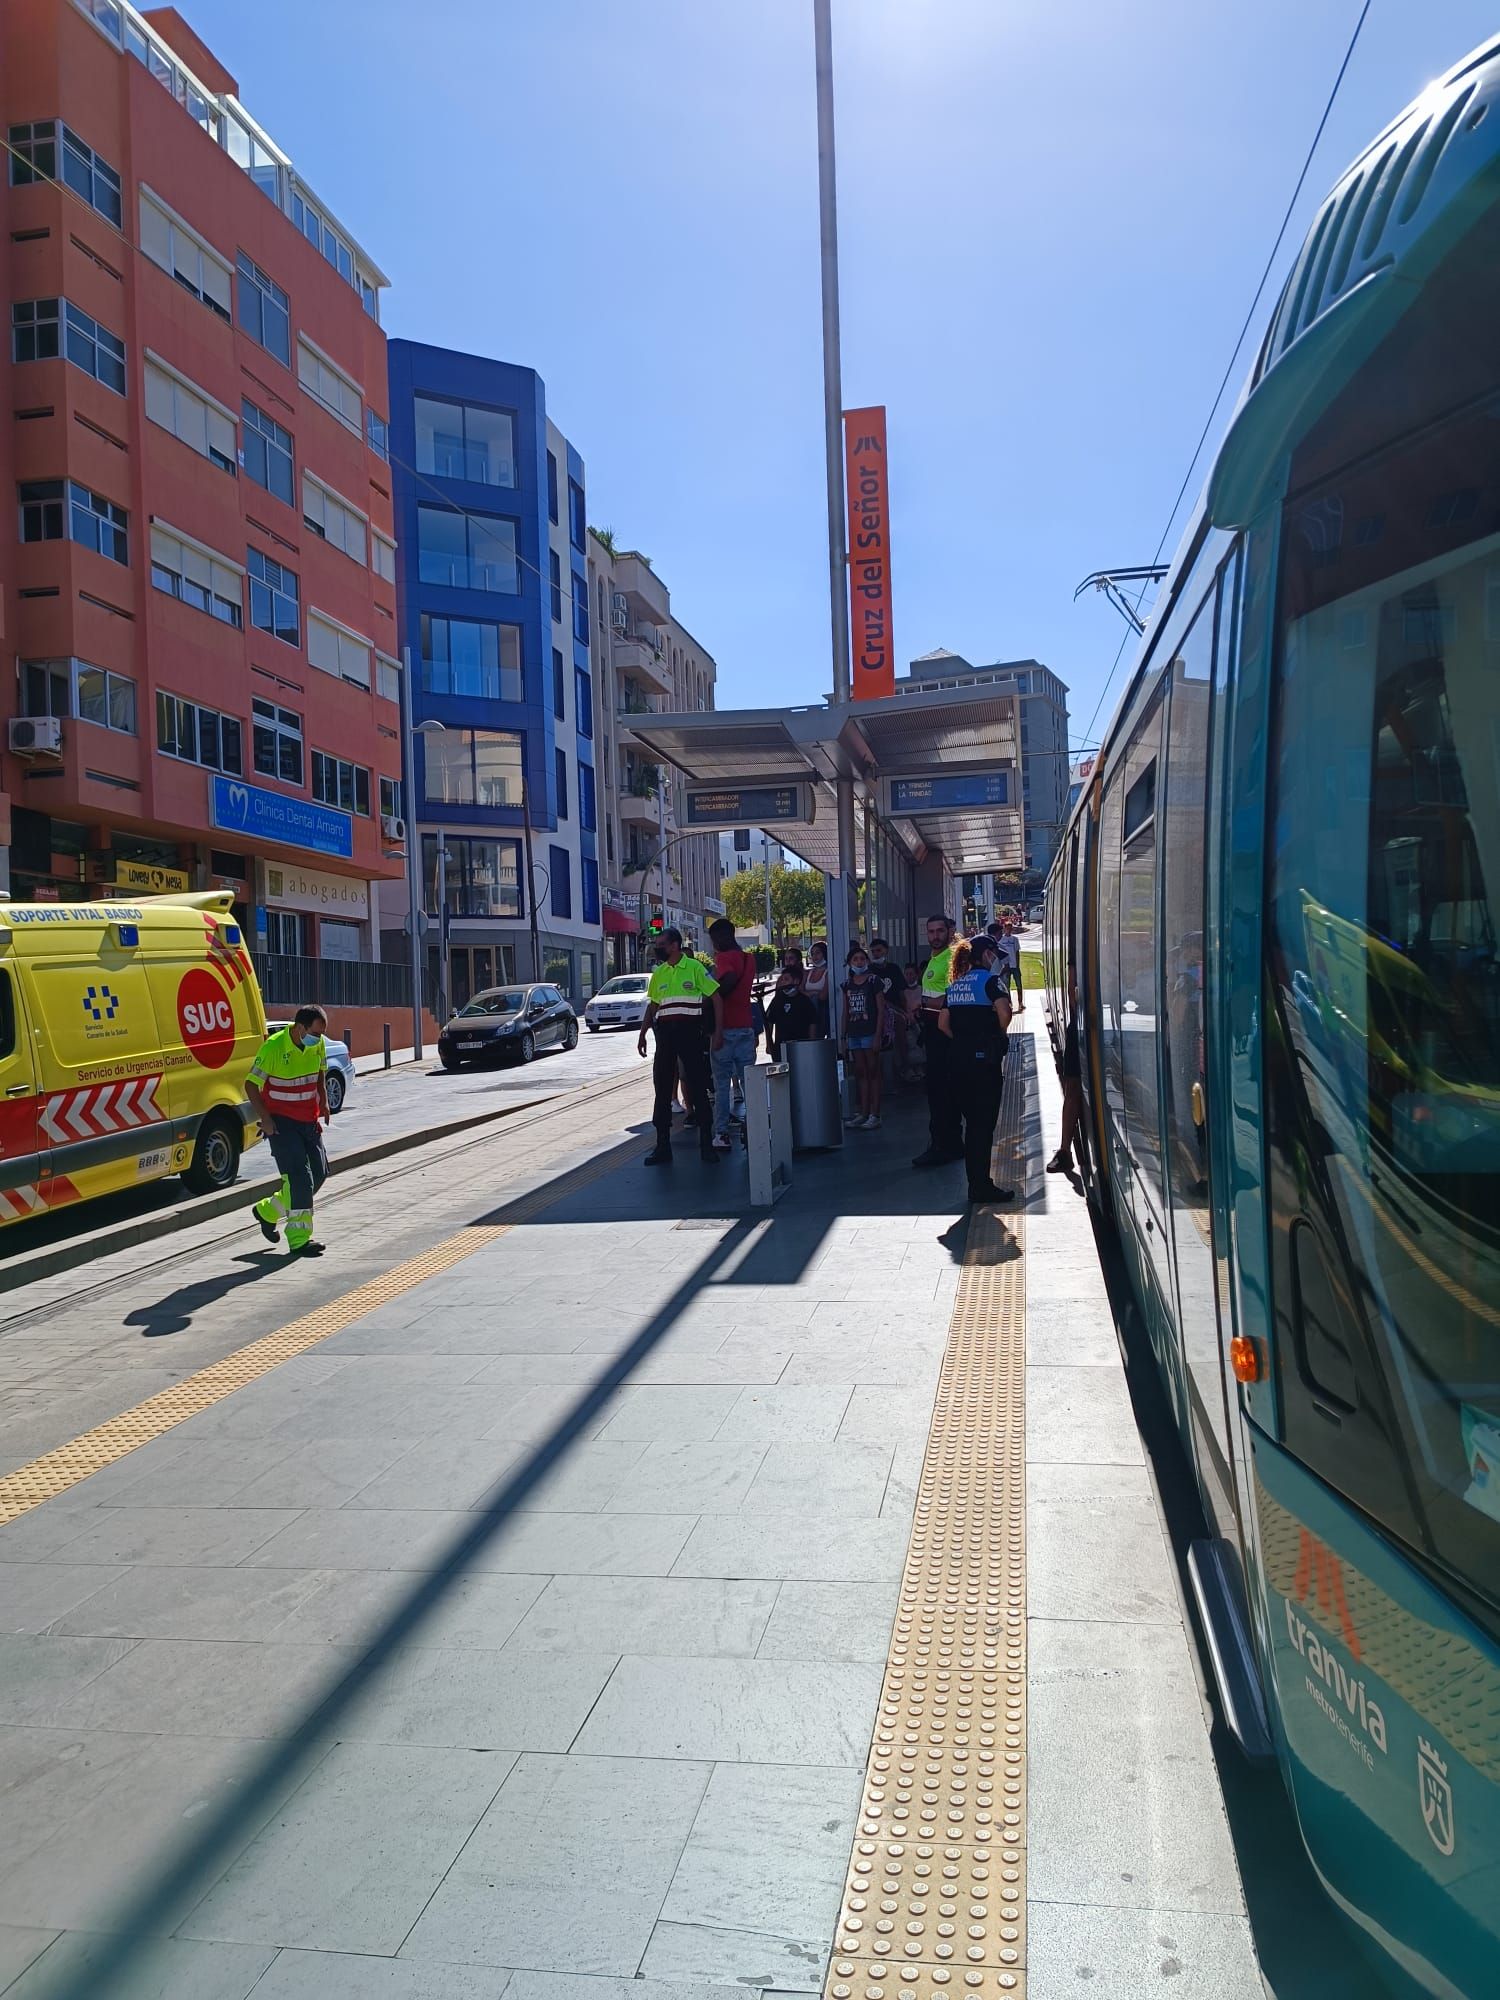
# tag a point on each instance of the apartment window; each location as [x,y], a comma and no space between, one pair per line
[54,509]
[196,576]
[472,767]
[252,157]
[198,735]
[387,677]
[468,551]
[265,310]
[577,521]
[586,806]
[555,572]
[332,518]
[552,487]
[466,656]
[465,441]
[183,254]
[559,686]
[34,157]
[268,451]
[382,556]
[276,737]
[43,328]
[377,434]
[72,689]
[336,782]
[390,798]
[560,772]
[590,871]
[560,881]
[324,237]
[482,877]
[335,650]
[203,426]
[286,933]
[275,598]
[580,609]
[329,386]
[583,702]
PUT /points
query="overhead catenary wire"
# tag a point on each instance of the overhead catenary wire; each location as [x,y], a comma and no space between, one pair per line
[1239,340]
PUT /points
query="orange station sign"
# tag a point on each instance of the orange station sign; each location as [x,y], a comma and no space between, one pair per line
[869,515]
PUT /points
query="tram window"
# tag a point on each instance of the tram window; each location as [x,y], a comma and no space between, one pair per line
[1385,887]
[1140,802]
[1140,1006]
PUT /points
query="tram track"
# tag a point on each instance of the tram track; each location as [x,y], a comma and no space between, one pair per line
[353,1180]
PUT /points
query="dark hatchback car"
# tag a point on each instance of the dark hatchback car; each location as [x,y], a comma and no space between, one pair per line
[508,1024]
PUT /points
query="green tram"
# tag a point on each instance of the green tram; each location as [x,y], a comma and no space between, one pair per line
[1277,900]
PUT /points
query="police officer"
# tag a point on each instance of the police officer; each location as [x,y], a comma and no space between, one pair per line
[944,1131]
[973,1021]
[288,1091]
[674,1009]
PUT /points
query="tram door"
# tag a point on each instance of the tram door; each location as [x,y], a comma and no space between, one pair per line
[1184,1065]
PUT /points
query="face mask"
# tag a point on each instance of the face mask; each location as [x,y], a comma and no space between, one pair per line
[859,968]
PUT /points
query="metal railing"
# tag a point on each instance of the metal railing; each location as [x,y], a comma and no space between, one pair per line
[286,981]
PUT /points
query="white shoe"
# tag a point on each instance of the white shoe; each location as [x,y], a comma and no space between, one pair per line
[872,1123]
[723,1143]
[854,1124]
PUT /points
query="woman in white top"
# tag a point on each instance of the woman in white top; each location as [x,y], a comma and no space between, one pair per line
[815,985]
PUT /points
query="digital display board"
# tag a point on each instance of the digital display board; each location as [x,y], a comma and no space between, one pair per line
[949,791]
[749,805]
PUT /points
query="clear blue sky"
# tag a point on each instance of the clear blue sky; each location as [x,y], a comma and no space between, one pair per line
[1052,218]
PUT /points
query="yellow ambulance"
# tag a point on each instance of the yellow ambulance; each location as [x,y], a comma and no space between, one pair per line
[126,1032]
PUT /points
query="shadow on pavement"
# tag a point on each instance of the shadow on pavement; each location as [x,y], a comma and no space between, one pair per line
[174,1313]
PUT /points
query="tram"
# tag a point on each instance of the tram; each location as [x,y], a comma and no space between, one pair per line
[1275,912]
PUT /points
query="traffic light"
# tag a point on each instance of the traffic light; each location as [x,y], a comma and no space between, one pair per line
[655,925]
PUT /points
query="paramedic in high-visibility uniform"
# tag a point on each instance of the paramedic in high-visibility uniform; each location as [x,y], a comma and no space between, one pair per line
[681,987]
[288,1091]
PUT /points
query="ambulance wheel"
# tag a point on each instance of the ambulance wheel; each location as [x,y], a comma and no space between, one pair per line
[334,1085]
[526,1047]
[570,1035]
[216,1157]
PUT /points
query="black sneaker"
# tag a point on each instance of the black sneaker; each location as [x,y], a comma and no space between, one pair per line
[707,1154]
[269,1230]
[311,1249]
[989,1192]
[935,1157]
[659,1156]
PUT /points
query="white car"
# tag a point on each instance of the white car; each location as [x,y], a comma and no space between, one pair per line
[340,1066]
[619,1003]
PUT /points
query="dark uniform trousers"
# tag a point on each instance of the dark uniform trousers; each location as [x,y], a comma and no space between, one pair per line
[976,1088]
[943,1128]
[680,1041]
[297,1148]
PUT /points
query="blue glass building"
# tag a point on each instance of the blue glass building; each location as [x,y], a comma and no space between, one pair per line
[492,601]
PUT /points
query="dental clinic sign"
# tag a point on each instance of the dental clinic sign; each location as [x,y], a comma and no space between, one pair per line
[257,814]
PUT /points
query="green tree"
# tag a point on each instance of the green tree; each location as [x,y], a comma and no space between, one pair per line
[796,901]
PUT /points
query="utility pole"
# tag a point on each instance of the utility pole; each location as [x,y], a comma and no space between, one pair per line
[833,437]
[536,956]
[765,848]
[413,863]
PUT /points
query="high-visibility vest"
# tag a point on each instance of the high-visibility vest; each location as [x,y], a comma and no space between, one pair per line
[288,1076]
[678,991]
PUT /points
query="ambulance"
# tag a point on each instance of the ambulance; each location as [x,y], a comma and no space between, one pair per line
[127,1030]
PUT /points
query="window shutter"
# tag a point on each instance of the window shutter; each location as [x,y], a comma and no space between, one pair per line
[159,400]
[221,436]
[156,234]
[215,283]
[166,549]
[354,660]
[322,645]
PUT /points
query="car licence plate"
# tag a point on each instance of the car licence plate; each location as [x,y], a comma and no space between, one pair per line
[471,1045]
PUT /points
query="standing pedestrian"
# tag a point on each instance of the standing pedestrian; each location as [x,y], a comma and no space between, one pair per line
[674,1010]
[973,1021]
[791,961]
[944,1127]
[893,984]
[1008,945]
[1071,1070]
[816,986]
[791,1016]
[861,1035]
[733,1047]
[288,1091]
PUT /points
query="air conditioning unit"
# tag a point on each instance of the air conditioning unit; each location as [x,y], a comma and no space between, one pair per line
[393,829]
[36,735]
[619,617]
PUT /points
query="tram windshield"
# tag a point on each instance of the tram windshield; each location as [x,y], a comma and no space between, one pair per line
[1385,902]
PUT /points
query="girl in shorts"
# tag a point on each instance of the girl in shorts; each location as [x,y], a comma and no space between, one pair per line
[861,1035]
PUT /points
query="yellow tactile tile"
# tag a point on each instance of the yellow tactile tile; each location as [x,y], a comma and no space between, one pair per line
[934,1904]
[55,1471]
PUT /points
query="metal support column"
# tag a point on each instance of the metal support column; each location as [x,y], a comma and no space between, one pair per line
[833,428]
[413,862]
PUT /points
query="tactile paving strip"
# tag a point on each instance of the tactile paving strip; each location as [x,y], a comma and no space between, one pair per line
[935,1901]
[55,1471]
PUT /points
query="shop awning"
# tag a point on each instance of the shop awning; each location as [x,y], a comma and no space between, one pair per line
[617,924]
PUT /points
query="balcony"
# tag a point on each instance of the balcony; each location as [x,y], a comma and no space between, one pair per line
[637,808]
[637,654]
[642,588]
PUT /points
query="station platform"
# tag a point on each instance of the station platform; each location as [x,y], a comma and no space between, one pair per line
[599,1589]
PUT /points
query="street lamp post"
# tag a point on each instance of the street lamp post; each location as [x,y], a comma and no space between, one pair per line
[413,860]
[418,900]
[536,953]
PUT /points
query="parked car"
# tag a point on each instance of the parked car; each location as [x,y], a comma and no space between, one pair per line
[341,1071]
[508,1024]
[619,1003]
